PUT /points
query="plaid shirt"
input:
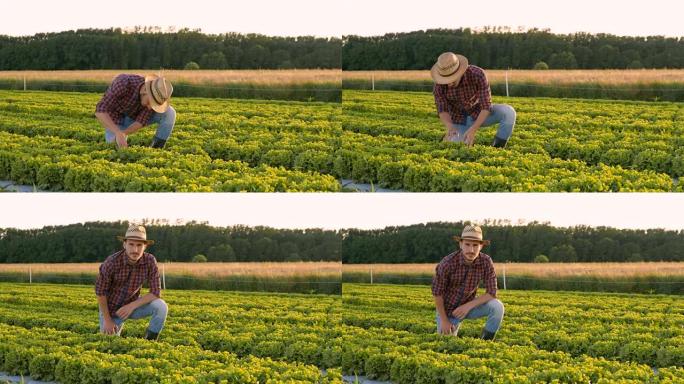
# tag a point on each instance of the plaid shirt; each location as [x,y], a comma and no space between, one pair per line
[121,282]
[469,97]
[457,282]
[122,98]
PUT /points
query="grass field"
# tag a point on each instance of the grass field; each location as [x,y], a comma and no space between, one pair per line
[302,85]
[545,337]
[549,77]
[262,76]
[295,277]
[650,278]
[393,139]
[646,84]
[549,270]
[217,270]
[53,141]
[51,333]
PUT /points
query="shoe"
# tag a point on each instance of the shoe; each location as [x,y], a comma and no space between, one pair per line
[499,143]
[149,335]
[486,335]
[158,143]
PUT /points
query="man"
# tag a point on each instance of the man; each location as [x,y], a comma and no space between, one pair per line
[464,101]
[132,102]
[455,284]
[119,283]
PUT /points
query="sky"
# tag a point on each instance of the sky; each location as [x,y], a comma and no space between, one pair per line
[348,210]
[328,18]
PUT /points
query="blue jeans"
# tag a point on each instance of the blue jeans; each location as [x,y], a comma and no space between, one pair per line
[165,120]
[493,309]
[503,114]
[156,308]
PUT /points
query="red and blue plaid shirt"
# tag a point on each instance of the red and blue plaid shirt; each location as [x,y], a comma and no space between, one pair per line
[469,97]
[122,98]
[121,281]
[457,281]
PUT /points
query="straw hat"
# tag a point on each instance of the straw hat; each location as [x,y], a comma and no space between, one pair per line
[159,89]
[472,232]
[449,68]
[136,232]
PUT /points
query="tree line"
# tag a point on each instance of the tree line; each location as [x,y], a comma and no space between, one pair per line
[428,243]
[94,241]
[420,243]
[151,48]
[501,48]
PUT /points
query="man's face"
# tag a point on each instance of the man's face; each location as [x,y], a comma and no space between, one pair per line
[144,97]
[134,249]
[471,249]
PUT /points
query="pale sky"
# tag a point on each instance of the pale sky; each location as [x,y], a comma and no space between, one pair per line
[348,210]
[337,17]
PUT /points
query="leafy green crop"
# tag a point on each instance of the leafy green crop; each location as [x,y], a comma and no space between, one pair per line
[394,139]
[53,140]
[390,333]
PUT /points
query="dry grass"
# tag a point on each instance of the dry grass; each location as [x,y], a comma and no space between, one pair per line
[198,269]
[544,77]
[265,77]
[541,270]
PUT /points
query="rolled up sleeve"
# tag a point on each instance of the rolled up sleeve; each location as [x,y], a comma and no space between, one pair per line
[441,101]
[104,280]
[484,91]
[490,279]
[153,280]
[440,280]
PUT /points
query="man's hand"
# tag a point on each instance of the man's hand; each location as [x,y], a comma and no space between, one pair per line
[110,327]
[470,136]
[121,140]
[462,311]
[450,133]
[445,327]
[125,311]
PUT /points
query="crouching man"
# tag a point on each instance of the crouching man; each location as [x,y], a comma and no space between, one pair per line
[119,284]
[455,284]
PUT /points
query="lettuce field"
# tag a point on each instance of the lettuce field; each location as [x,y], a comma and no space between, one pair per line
[53,141]
[546,337]
[394,139]
[385,332]
[50,332]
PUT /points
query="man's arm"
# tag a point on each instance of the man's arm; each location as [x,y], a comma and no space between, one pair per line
[445,325]
[125,311]
[470,133]
[462,311]
[133,128]
[111,126]
[443,111]
[485,99]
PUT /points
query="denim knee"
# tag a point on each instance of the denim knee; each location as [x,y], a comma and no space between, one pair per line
[160,307]
[496,307]
[508,112]
[170,115]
